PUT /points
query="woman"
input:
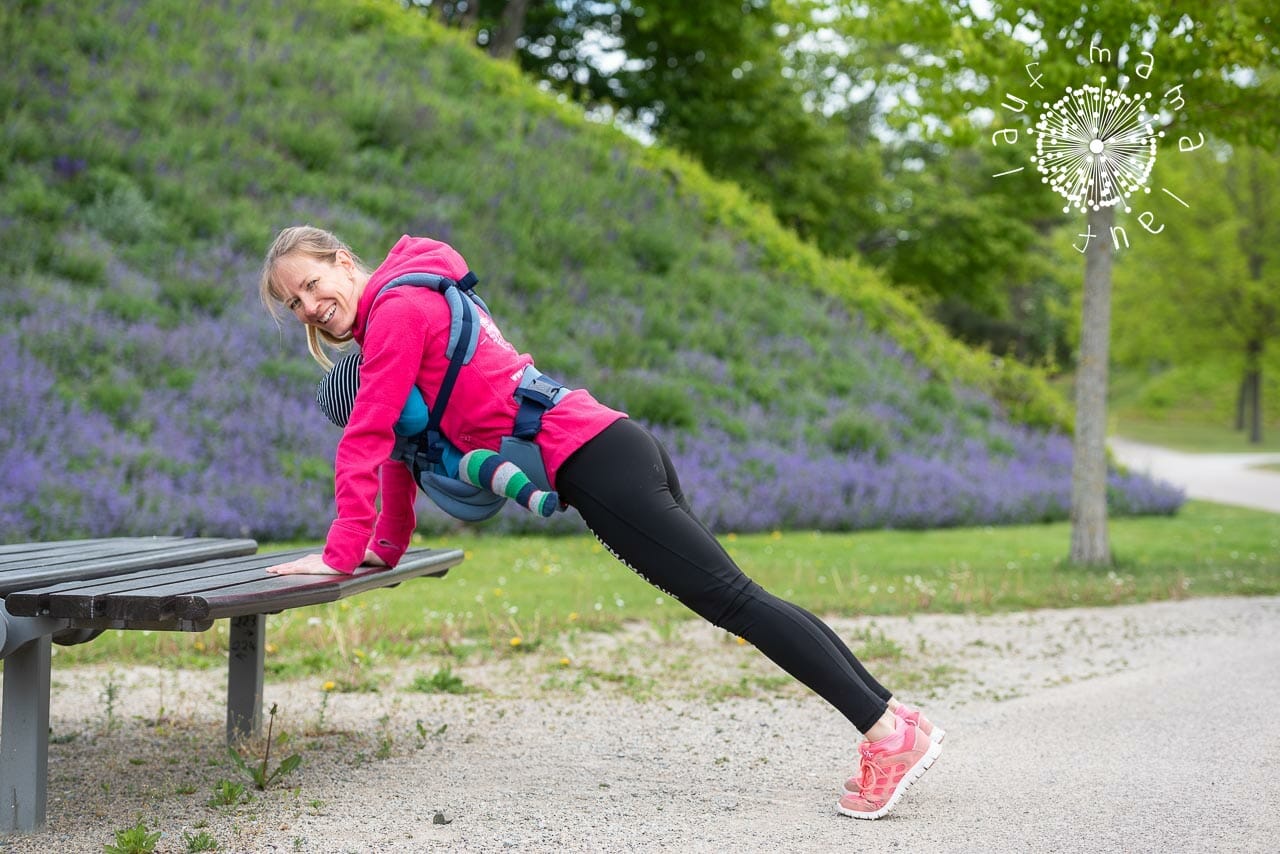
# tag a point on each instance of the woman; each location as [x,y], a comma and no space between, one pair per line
[608,468]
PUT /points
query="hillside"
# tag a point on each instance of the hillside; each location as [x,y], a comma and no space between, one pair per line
[152,148]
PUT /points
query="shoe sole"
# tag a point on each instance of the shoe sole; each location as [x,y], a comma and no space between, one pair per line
[936,737]
[917,770]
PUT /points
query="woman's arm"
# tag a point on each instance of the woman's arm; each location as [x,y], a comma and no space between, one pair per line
[393,346]
[396,522]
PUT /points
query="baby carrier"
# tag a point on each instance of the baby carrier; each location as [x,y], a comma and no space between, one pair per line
[420,444]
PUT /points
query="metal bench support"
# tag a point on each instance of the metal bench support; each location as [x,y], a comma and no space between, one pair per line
[245,677]
[24,740]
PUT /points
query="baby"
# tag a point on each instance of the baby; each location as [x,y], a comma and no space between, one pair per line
[481,468]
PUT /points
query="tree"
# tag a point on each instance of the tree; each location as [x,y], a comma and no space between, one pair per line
[711,79]
[1214,67]
[1209,286]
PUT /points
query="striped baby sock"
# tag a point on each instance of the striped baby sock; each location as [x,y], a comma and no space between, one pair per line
[489,470]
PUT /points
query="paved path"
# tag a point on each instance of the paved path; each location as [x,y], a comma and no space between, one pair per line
[1224,478]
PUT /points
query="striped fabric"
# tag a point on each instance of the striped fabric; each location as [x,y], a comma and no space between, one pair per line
[336,393]
[488,470]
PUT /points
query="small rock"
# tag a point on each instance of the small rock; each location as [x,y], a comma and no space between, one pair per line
[442,817]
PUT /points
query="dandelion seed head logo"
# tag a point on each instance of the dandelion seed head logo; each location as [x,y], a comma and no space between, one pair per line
[1095,146]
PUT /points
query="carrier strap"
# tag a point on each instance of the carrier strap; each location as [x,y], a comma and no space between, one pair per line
[537,393]
[464,337]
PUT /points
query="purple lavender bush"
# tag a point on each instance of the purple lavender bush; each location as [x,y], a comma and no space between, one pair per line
[204,423]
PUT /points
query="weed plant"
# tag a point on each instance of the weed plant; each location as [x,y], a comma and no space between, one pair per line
[137,839]
[263,775]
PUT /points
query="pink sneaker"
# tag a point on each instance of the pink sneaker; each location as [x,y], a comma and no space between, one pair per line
[935,733]
[889,767]
[910,714]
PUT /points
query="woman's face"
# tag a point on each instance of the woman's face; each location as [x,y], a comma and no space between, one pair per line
[320,294]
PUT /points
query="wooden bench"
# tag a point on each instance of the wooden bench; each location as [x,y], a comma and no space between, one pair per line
[70,591]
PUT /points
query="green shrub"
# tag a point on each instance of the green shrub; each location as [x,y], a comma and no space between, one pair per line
[29,196]
[122,214]
[131,307]
[852,431]
[76,259]
[116,397]
[315,146]
[660,403]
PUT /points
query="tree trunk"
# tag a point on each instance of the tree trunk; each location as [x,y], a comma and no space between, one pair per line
[1089,541]
[503,43]
[1253,381]
[1241,398]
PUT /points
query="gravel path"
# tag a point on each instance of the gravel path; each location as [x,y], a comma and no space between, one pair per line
[1135,728]
[1224,478]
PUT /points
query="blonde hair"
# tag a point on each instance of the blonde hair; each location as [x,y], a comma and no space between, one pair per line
[318,244]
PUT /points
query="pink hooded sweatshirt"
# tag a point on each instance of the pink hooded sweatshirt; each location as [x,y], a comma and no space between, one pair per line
[403,341]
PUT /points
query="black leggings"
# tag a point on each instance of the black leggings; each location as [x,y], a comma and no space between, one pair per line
[624,486]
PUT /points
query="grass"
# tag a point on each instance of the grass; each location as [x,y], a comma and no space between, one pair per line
[1192,436]
[514,592]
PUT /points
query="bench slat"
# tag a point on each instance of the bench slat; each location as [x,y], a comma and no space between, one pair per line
[57,553]
[57,600]
[50,545]
[259,592]
[149,590]
[116,558]
[188,596]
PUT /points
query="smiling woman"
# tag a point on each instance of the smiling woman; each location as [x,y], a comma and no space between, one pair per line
[612,471]
[316,276]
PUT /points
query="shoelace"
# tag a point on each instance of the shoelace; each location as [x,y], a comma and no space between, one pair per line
[871,773]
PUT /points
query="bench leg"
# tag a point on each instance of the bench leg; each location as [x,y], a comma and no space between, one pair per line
[244,676]
[24,738]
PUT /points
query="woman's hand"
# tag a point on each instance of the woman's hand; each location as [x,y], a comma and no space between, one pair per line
[306,565]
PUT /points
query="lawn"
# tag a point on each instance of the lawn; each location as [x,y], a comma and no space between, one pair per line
[514,593]
[1193,437]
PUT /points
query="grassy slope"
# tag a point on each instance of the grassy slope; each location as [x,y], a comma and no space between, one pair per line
[148,135]
[1192,407]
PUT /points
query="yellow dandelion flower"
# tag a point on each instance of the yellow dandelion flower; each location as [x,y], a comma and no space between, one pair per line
[564,662]
[775,535]
[329,686]
[272,648]
[573,616]
[360,654]
[199,646]
[515,642]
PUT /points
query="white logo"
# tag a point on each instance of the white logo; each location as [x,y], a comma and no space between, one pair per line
[1096,146]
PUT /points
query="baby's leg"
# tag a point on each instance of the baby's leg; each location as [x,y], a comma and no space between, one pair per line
[490,470]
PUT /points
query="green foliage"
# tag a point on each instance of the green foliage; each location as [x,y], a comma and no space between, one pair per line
[134,840]
[228,793]
[1202,298]
[855,432]
[201,841]
[443,681]
[663,403]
